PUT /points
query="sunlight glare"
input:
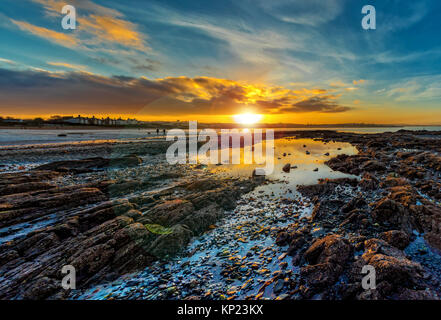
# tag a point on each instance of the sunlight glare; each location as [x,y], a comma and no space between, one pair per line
[247,118]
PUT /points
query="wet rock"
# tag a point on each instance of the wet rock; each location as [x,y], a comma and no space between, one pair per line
[296,245]
[170,244]
[369,182]
[394,270]
[24,187]
[170,212]
[89,164]
[396,238]
[23,207]
[201,220]
[287,168]
[321,275]
[327,258]
[373,165]
[330,249]
[42,289]
[278,285]
[390,211]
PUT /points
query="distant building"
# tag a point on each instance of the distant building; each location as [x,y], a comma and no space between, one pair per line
[11,120]
[101,122]
[77,120]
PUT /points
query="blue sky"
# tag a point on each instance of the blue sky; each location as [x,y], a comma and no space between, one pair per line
[293,60]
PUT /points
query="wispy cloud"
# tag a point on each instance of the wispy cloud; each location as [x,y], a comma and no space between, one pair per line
[67,65]
[7,61]
[97,26]
[310,12]
[54,36]
[416,89]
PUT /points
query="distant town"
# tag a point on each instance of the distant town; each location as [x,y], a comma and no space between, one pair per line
[79,121]
[62,121]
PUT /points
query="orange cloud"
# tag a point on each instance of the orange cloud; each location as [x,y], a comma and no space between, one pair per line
[54,36]
[361,81]
[67,65]
[100,25]
[111,29]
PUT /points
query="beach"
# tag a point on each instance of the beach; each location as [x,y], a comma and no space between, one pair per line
[136,227]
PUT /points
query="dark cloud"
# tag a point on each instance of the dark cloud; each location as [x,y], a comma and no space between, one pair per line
[75,92]
[318,104]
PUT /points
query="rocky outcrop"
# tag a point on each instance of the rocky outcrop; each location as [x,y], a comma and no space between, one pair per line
[327,258]
[398,201]
[79,225]
[90,164]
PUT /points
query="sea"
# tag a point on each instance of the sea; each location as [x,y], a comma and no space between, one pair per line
[17,137]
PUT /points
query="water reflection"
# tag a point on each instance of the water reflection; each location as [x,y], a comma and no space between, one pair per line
[294,152]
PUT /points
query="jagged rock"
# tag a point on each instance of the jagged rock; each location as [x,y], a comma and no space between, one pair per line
[327,258]
[199,221]
[170,212]
[396,238]
[330,249]
[373,165]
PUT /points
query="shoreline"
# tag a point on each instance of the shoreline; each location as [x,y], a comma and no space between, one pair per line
[130,187]
[214,126]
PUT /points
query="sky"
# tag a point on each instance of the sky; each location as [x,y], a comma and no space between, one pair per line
[293,61]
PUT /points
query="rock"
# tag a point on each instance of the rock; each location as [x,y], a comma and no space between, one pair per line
[170,244]
[396,238]
[89,164]
[374,245]
[408,294]
[42,289]
[278,285]
[24,187]
[296,245]
[203,185]
[170,212]
[373,165]
[369,182]
[320,275]
[388,210]
[201,220]
[327,258]
[287,168]
[282,238]
[330,249]
[401,272]
[17,208]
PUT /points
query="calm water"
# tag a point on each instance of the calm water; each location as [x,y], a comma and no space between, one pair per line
[10,137]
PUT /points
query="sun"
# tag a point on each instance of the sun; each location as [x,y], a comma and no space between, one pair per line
[247,118]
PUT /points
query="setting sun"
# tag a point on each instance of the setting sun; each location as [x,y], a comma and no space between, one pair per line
[247,118]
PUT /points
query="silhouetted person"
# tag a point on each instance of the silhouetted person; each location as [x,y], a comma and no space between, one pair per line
[157,131]
[163,131]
